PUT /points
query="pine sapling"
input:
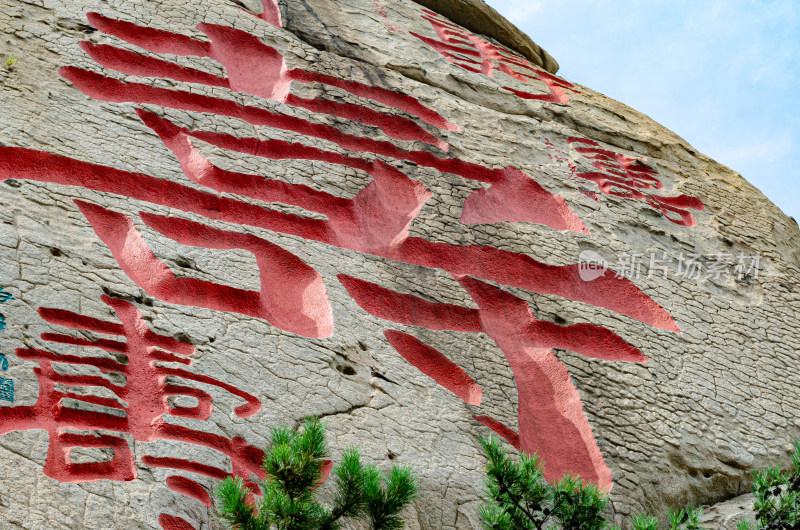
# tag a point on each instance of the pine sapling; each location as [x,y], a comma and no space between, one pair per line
[519,497]
[777,493]
[294,465]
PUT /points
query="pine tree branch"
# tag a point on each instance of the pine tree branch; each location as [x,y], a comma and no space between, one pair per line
[517,503]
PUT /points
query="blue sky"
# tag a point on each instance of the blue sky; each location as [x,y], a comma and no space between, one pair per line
[722,74]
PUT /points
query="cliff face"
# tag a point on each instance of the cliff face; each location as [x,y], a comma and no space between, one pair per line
[222,216]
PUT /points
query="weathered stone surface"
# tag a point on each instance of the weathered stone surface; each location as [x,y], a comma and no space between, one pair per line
[727,515]
[713,401]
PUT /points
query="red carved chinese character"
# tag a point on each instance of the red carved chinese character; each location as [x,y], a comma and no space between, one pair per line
[143,397]
[522,198]
[551,418]
[292,295]
[626,177]
[475,54]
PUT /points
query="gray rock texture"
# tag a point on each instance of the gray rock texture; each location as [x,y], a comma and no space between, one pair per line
[727,514]
[713,401]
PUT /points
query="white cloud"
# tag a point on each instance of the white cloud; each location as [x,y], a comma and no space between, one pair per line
[750,152]
[518,11]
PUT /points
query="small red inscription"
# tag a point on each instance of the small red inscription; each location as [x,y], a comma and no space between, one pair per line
[622,176]
[475,54]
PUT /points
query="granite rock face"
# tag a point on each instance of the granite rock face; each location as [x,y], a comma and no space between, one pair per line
[221,216]
[727,514]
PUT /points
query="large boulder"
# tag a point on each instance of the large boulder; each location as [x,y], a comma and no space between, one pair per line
[222,216]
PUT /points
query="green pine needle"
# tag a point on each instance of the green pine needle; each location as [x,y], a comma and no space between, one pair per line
[294,463]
